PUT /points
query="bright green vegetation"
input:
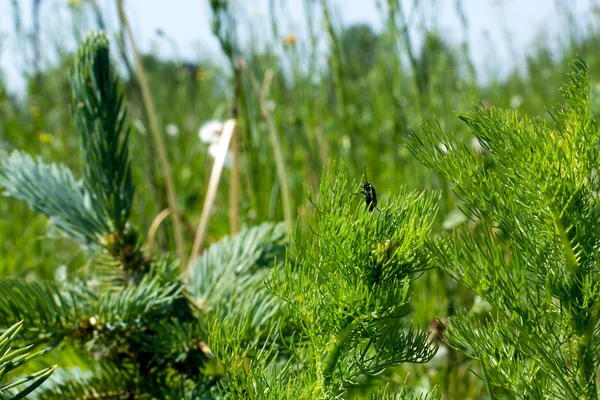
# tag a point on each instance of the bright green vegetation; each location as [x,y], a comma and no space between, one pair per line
[532,252]
[475,277]
[347,289]
[11,358]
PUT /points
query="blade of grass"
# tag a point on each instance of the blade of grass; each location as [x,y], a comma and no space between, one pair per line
[277,152]
[155,130]
[234,190]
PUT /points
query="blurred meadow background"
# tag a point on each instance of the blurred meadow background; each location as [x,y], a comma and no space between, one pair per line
[328,79]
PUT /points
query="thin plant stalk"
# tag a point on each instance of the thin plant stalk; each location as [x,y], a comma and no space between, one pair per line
[213,184]
[155,130]
[160,202]
[395,8]
[488,387]
[154,227]
[234,190]
[277,152]
[340,83]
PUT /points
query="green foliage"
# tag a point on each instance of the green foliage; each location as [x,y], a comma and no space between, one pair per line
[97,320]
[359,44]
[339,91]
[533,253]
[348,288]
[100,118]
[11,359]
[228,278]
[130,315]
[129,312]
[49,313]
[110,384]
[95,211]
[53,191]
[403,394]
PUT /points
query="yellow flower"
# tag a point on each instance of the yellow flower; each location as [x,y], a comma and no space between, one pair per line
[45,137]
[289,40]
[201,76]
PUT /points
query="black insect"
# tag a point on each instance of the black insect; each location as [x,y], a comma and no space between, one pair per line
[370,195]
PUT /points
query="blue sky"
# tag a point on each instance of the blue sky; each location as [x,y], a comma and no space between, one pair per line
[187,26]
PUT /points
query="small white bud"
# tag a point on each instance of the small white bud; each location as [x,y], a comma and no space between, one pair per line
[172,130]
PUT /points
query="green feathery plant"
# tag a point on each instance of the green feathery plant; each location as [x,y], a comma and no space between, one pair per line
[347,289]
[532,251]
[11,359]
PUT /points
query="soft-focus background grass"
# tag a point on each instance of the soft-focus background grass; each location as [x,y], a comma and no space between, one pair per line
[338,91]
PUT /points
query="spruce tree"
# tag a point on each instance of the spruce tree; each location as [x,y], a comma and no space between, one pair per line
[137,328]
[128,316]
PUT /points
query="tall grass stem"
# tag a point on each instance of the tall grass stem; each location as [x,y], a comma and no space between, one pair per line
[234,189]
[277,152]
[155,130]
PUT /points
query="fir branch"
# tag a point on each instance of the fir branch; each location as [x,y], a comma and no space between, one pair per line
[228,278]
[136,305]
[177,345]
[52,190]
[50,314]
[12,359]
[252,250]
[100,118]
[109,384]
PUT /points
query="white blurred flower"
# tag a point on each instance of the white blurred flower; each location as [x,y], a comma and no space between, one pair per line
[212,150]
[172,130]
[211,131]
[516,101]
